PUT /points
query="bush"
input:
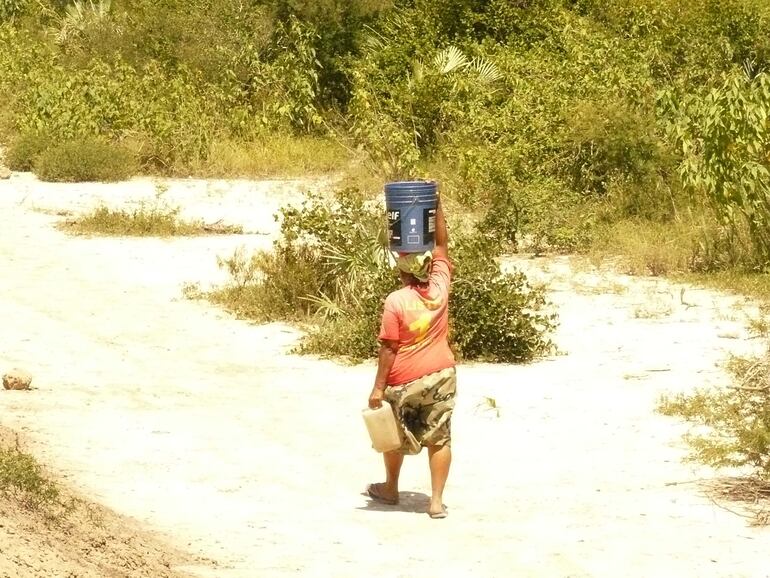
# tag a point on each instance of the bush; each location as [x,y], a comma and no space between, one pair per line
[273,155]
[541,215]
[20,55]
[610,139]
[693,38]
[25,149]
[85,160]
[270,286]
[170,120]
[169,114]
[11,8]
[644,248]
[142,222]
[495,316]
[331,268]
[328,269]
[149,219]
[731,425]
[723,139]
[22,479]
[403,114]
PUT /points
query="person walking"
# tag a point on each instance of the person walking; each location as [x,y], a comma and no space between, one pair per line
[416,368]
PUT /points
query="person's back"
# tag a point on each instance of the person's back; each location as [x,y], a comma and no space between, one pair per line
[417,317]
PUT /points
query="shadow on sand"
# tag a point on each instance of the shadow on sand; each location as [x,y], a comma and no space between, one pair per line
[415,502]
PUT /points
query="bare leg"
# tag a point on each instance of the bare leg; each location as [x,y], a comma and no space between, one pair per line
[393,461]
[440,458]
[389,489]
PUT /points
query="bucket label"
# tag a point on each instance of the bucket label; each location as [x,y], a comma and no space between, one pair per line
[394,228]
[428,225]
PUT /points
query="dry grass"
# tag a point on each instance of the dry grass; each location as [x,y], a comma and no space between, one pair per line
[23,481]
[748,497]
[143,222]
[673,250]
[155,219]
[645,248]
[274,156]
[750,284]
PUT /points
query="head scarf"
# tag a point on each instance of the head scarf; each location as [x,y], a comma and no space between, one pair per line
[417,264]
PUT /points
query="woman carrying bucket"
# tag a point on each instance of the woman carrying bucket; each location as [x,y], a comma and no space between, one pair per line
[416,369]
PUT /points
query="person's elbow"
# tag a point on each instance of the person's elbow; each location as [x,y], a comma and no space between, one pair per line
[441,250]
[389,346]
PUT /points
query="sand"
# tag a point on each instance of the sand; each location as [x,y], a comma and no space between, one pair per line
[207,431]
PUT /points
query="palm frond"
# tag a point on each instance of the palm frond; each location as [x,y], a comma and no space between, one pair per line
[367,259]
[352,270]
[487,71]
[79,15]
[326,307]
[373,41]
[449,60]
[81,10]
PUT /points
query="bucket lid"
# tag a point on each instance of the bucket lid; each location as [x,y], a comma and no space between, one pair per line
[411,187]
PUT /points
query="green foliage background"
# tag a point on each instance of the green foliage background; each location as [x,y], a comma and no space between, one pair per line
[608,110]
[548,121]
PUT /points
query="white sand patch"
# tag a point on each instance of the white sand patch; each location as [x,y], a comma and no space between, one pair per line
[205,428]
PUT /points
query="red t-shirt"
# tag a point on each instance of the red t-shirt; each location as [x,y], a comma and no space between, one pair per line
[418,318]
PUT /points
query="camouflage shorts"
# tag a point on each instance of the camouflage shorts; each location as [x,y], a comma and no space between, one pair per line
[424,407]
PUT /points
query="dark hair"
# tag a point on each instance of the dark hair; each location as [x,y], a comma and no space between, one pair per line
[410,279]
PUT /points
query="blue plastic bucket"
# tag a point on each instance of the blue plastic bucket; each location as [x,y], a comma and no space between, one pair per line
[411,208]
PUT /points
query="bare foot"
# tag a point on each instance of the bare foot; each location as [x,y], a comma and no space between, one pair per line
[383,494]
[437,511]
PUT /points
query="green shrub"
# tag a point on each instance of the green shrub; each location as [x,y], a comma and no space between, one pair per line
[80,17]
[85,160]
[219,40]
[725,142]
[732,424]
[11,8]
[692,242]
[349,337]
[495,316]
[289,84]
[724,246]
[543,215]
[610,139]
[171,119]
[270,286]
[399,118]
[156,218]
[142,222]
[273,155]
[692,38]
[22,479]
[641,247]
[331,268]
[348,328]
[25,149]
[20,56]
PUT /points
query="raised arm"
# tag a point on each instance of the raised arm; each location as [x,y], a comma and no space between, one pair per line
[442,237]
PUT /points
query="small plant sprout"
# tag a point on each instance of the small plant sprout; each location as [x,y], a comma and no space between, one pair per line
[489,404]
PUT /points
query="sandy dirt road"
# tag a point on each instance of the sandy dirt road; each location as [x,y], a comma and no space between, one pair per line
[206,429]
